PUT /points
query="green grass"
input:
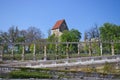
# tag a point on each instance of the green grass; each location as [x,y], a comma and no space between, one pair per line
[30,73]
[27,74]
[45,73]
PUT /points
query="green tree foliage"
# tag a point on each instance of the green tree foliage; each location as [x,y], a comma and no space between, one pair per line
[110,32]
[51,47]
[52,38]
[31,48]
[71,36]
[68,36]
[95,48]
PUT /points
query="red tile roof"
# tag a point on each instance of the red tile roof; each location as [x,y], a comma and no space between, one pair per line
[58,24]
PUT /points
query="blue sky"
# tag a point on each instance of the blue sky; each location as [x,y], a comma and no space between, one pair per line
[79,14]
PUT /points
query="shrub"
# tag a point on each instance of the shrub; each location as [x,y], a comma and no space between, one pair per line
[27,74]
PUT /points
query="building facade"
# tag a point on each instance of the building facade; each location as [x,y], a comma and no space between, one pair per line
[59,27]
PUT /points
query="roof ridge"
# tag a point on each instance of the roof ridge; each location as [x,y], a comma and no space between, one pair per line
[58,24]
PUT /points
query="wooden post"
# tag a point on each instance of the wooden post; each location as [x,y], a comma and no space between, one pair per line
[101,48]
[67,51]
[78,49]
[56,47]
[1,52]
[45,55]
[12,53]
[23,53]
[34,57]
[89,48]
[112,47]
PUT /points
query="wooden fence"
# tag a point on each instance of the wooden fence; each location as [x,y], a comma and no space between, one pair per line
[56,50]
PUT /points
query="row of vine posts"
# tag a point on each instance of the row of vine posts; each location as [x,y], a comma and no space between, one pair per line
[77,47]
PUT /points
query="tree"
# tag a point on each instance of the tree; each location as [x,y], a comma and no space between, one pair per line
[4,37]
[70,36]
[76,35]
[22,36]
[110,32]
[13,34]
[49,32]
[33,34]
[0,40]
[52,47]
[10,36]
[92,33]
[52,38]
